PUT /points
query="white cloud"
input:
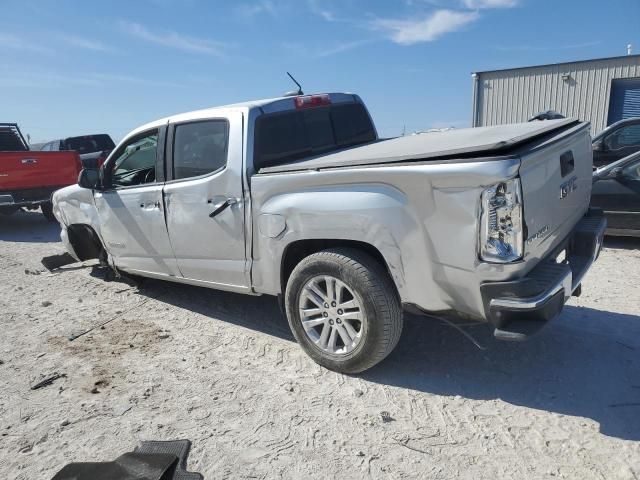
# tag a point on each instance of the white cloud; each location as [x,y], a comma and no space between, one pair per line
[342,47]
[14,42]
[411,31]
[250,10]
[480,4]
[317,8]
[85,43]
[14,77]
[324,50]
[175,40]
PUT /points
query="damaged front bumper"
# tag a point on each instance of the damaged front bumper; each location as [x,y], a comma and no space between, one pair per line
[521,307]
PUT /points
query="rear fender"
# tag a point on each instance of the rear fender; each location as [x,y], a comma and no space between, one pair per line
[375,214]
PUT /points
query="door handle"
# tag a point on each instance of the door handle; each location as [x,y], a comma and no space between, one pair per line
[28,161]
[151,205]
[222,206]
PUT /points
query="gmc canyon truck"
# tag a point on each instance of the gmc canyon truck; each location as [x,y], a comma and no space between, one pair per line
[28,178]
[297,197]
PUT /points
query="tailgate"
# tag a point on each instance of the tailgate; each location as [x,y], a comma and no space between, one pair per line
[34,169]
[556,186]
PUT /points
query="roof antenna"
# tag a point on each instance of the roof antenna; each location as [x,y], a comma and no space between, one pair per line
[294,93]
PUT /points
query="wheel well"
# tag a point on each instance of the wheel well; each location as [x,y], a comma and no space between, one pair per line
[300,249]
[85,241]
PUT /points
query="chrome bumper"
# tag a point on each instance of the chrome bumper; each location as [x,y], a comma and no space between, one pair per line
[26,198]
[520,307]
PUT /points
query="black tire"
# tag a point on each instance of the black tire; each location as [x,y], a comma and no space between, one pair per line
[47,211]
[371,282]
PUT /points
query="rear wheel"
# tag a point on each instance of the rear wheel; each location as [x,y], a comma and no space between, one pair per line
[343,309]
[47,211]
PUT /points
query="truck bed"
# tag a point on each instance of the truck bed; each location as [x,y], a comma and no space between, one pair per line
[452,144]
[36,170]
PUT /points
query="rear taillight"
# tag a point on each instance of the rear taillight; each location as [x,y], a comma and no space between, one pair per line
[501,230]
[309,101]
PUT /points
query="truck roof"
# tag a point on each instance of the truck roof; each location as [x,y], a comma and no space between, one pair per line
[268,105]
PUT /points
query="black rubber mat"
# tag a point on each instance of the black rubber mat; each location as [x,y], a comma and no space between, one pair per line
[153,460]
[130,466]
[56,261]
[179,448]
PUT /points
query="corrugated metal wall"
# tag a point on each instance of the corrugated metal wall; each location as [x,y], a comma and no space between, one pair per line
[510,96]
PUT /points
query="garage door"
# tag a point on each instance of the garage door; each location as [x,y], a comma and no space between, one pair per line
[625,99]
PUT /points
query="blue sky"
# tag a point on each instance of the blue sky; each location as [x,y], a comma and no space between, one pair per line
[77,67]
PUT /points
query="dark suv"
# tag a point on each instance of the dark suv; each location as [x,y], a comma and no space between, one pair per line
[93,149]
[616,141]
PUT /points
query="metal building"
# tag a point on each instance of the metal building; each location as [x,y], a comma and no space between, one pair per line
[601,91]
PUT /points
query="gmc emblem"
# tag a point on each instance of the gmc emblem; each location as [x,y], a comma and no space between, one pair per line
[567,187]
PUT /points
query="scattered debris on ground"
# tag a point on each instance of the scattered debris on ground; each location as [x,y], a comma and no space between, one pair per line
[48,380]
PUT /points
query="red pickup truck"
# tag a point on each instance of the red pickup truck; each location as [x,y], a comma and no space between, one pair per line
[29,178]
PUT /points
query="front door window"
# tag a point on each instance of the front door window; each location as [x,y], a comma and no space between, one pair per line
[135,162]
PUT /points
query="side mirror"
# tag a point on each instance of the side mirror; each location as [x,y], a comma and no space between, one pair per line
[89,178]
[598,147]
[615,173]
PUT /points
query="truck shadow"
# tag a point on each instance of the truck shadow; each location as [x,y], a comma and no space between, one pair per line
[584,364]
[626,243]
[261,314]
[28,226]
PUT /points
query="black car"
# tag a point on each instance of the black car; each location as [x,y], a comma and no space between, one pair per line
[616,189]
[617,141]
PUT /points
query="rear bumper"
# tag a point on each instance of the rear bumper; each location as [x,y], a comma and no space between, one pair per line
[520,307]
[27,198]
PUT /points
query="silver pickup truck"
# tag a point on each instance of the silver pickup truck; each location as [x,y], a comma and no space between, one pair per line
[297,197]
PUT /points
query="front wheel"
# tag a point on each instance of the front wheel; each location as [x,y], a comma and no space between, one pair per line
[343,309]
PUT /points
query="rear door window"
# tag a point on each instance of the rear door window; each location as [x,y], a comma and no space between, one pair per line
[294,135]
[200,148]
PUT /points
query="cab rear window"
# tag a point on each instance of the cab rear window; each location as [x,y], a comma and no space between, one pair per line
[293,135]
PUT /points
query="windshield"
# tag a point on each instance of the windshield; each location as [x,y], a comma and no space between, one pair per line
[89,143]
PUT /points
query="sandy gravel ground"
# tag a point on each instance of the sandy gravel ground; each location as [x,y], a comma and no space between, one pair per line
[222,370]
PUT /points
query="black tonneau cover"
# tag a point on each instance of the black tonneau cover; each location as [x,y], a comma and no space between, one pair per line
[462,143]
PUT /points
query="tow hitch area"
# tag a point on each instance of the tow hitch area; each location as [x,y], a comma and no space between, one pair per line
[519,308]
